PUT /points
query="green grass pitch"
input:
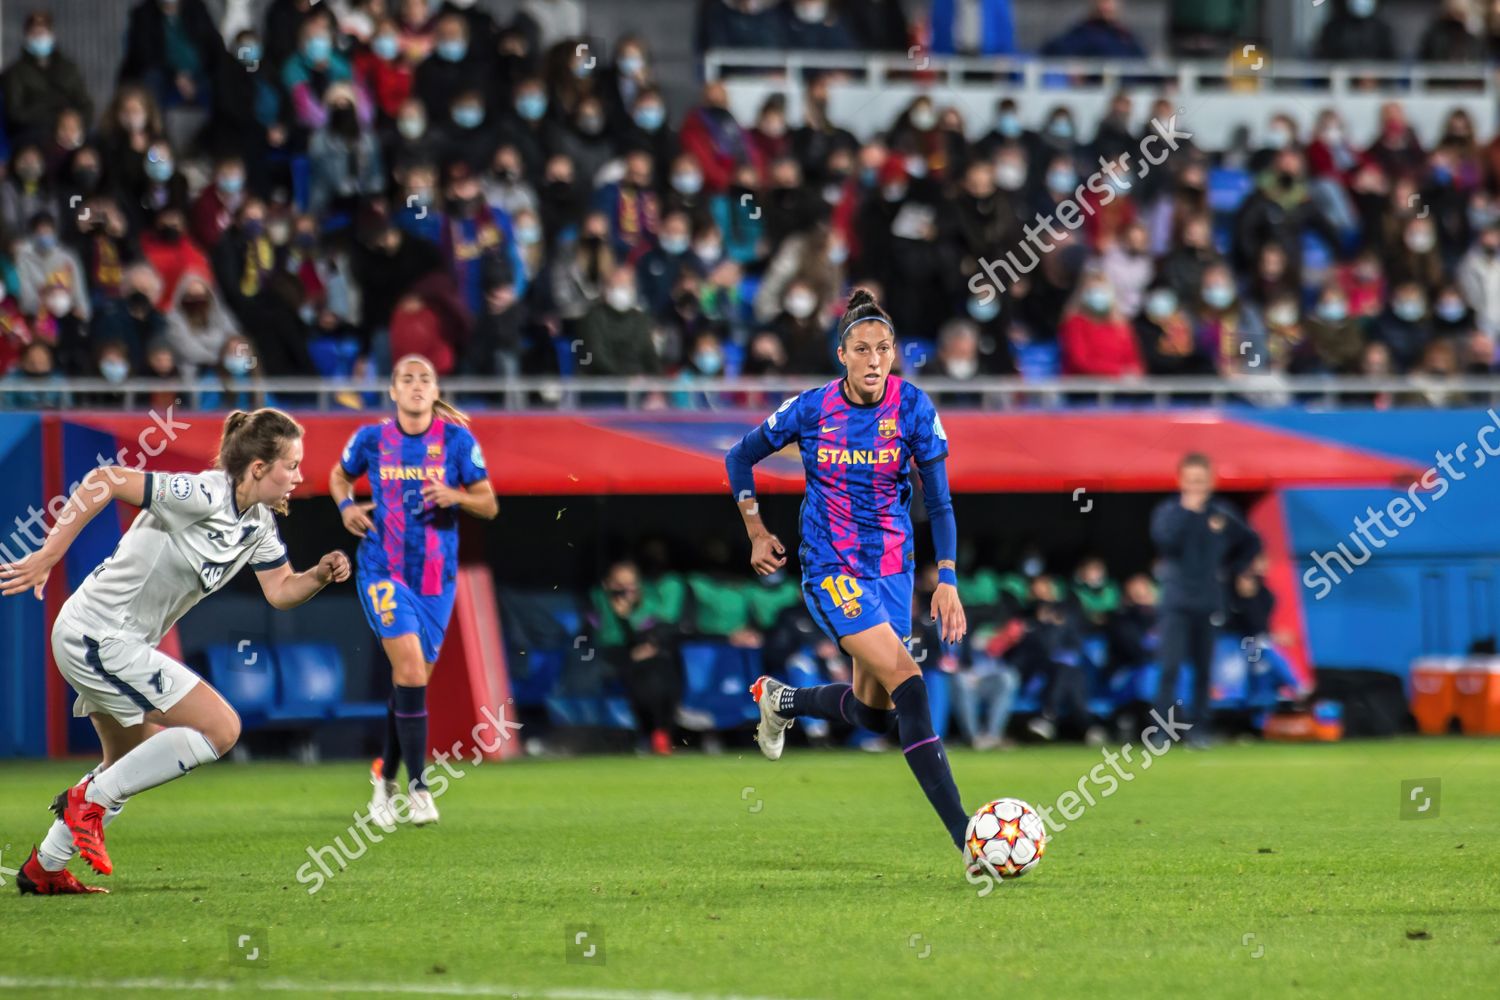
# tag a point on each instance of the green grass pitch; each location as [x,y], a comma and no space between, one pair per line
[1254,870]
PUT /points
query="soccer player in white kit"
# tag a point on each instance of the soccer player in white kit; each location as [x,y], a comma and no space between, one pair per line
[156,719]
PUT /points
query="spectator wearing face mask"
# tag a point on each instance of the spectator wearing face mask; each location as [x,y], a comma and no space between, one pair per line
[213,211]
[1404,327]
[314,69]
[1230,331]
[659,269]
[235,382]
[506,187]
[132,319]
[803,332]
[344,160]
[525,125]
[584,139]
[171,46]
[454,66]
[43,82]
[27,190]
[1095,337]
[1397,150]
[1478,279]
[128,128]
[197,326]
[1167,338]
[472,234]
[111,363]
[957,358]
[632,207]
[246,120]
[42,262]
[387,74]
[1451,315]
[628,76]
[616,333]
[818,256]
[648,128]
[740,24]
[1127,264]
[1417,259]
[1355,32]
[703,365]
[1335,338]
[171,252]
[1184,266]
[58,323]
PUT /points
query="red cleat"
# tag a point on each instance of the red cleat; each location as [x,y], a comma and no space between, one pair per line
[85,821]
[34,880]
[661,742]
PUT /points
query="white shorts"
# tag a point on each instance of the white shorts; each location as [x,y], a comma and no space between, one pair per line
[118,675]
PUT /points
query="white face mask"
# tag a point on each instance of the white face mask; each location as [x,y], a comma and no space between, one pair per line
[1010,176]
[801,305]
[963,367]
[709,253]
[620,298]
[59,303]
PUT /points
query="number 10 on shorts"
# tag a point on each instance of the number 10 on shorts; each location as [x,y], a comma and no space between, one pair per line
[844,591]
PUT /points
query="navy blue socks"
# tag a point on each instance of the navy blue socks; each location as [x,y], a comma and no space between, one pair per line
[410,711]
[390,758]
[924,755]
[836,703]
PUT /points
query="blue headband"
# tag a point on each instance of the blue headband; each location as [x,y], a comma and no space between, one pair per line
[867,319]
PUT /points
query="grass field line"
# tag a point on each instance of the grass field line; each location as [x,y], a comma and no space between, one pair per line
[253,984]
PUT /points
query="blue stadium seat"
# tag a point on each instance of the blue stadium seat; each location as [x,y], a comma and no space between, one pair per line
[334,357]
[311,681]
[534,675]
[1316,255]
[1227,189]
[609,712]
[734,358]
[717,679]
[245,676]
[1039,360]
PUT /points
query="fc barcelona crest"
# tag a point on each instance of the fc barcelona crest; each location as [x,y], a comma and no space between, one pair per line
[888,427]
[435,451]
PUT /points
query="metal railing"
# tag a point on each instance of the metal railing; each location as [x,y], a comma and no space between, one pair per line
[550,393]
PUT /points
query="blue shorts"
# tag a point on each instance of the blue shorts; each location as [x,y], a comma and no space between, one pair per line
[843,605]
[393,609]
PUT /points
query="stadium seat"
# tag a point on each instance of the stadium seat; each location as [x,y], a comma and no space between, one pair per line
[609,712]
[716,678]
[245,674]
[310,681]
[1039,360]
[1227,189]
[334,357]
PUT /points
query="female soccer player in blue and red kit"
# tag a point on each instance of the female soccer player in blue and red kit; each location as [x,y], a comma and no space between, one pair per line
[857,435]
[424,467]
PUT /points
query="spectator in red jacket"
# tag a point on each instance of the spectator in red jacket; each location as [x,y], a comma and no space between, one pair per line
[416,329]
[172,253]
[385,71]
[1095,338]
[711,136]
[213,211]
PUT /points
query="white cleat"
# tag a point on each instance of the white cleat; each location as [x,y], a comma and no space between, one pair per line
[380,810]
[423,810]
[770,732]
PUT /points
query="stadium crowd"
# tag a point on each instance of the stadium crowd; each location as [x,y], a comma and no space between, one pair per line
[377,177]
[1068,639]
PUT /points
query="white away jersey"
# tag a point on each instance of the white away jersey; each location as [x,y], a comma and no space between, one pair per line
[188,541]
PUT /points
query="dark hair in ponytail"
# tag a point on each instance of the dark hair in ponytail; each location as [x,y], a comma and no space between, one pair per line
[261,436]
[860,307]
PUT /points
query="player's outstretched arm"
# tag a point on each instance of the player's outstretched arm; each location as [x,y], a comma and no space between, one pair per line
[286,590]
[94,492]
[946,608]
[477,499]
[356,515]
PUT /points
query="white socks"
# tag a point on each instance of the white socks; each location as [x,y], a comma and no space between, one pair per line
[57,848]
[169,754]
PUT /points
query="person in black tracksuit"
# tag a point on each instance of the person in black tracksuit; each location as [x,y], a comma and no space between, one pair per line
[1204,543]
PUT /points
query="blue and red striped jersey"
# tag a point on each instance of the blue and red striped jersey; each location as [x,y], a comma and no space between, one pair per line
[414,542]
[856,513]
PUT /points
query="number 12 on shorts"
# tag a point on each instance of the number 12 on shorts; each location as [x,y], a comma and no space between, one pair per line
[383,600]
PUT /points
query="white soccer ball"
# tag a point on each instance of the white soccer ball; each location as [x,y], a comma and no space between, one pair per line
[1006,838]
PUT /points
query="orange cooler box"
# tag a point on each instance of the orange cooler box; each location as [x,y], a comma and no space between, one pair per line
[1434,694]
[1477,696]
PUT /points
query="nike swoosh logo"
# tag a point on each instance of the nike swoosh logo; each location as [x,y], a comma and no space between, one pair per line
[828,430]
